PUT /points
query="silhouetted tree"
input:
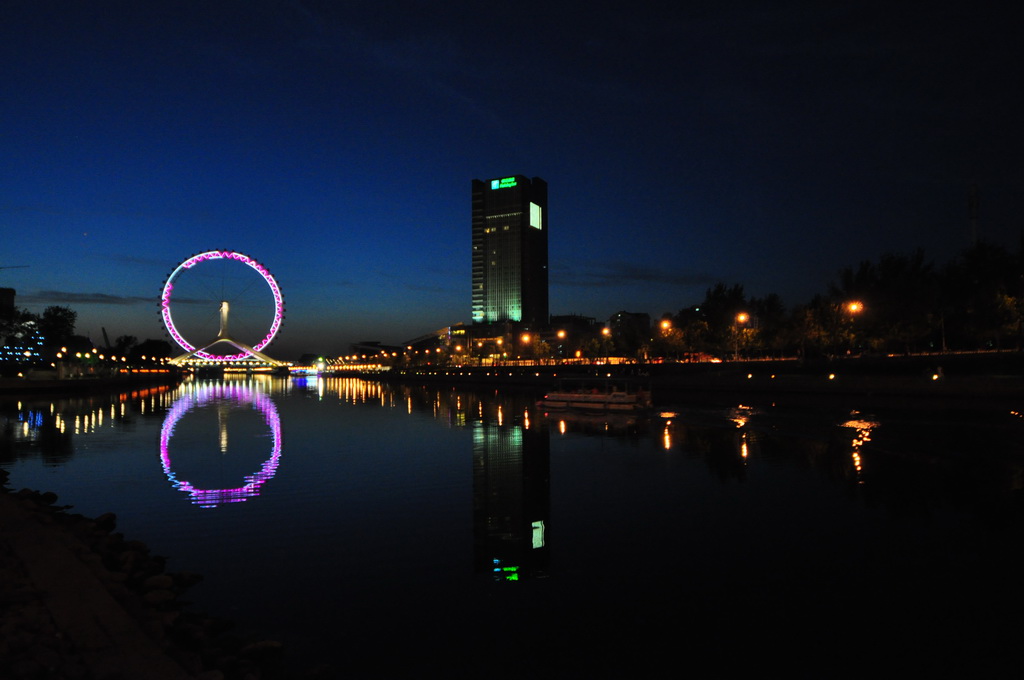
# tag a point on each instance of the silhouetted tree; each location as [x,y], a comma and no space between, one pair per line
[57,325]
[900,297]
[694,330]
[124,344]
[667,340]
[981,298]
[719,310]
[151,349]
[771,323]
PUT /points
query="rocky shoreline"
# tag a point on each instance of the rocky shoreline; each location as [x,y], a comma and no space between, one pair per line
[79,600]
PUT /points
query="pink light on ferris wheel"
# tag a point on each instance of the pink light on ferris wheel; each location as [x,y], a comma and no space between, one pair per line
[167,316]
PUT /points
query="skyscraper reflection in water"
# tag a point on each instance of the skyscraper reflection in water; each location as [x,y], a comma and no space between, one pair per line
[511,500]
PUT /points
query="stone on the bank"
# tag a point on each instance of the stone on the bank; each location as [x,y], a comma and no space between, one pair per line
[106,522]
[155,597]
[158,582]
[262,647]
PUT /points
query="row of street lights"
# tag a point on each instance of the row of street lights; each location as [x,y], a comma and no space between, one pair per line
[741,319]
[852,307]
[64,355]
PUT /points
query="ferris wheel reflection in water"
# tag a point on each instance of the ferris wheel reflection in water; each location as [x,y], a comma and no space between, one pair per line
[218,395]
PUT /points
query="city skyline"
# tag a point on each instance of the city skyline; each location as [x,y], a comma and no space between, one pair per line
[683,147]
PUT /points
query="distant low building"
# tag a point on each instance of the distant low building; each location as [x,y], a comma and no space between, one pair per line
[446,337]
[632,324]
[24,346]
[569,334]
[630,331]
[373,348]
[7,304]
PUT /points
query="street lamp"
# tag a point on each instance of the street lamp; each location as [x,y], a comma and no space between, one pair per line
[561,334]
[741,319]
[524,339]
[853,308]
[606,334]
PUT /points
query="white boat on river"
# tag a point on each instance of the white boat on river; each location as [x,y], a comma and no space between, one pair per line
[597,394]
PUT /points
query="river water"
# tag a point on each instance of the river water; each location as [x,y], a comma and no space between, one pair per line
[392,531]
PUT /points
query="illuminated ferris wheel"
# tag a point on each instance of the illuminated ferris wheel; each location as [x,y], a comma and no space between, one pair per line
[230,283]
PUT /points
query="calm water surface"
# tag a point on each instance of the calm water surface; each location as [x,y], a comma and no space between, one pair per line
[392,531]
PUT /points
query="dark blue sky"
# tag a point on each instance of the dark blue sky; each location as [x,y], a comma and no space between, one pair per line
[767,144]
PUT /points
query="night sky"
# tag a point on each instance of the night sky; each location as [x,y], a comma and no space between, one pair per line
[763,143]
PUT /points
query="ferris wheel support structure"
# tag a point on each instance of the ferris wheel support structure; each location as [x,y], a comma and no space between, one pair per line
[223,337]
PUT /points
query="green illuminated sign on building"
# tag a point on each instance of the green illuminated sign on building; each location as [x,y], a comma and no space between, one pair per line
[505,573]
[505,183]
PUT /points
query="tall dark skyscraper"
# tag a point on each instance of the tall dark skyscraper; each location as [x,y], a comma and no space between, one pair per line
[510,250]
